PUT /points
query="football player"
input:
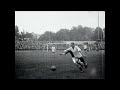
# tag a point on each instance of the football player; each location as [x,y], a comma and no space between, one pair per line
[77,56]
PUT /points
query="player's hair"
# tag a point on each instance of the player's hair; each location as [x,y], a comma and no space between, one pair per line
[72,43]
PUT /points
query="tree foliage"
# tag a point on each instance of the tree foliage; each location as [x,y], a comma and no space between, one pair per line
[78,33]
[16,31]
[22,35]
[98,34]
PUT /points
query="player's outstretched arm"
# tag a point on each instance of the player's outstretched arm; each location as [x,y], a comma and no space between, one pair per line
[62,53]
[65,51]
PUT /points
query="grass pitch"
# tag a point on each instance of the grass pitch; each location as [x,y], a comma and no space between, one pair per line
[36,64]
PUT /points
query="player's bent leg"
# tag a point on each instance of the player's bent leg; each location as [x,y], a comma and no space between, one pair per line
[79,62]
[82,60]
[75,60]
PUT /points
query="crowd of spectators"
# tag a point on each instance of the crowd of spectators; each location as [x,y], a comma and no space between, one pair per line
[37,45]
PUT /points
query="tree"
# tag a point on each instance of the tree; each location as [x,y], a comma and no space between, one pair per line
[88,33]
[45,37]
[74,34]
[103,33]
[62,34]
[78,33]
[16,31]
[28,35]
[98,34]
[23,34]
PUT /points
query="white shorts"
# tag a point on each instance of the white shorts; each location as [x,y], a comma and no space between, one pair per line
[74,60]
[53,51]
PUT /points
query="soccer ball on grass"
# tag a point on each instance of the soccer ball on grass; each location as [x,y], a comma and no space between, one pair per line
[53,68]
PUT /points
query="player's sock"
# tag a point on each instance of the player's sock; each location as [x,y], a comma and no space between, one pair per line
[81,69]
[86,65]
[78,62]
[82,60]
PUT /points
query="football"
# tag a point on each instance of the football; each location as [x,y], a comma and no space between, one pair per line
[53,68]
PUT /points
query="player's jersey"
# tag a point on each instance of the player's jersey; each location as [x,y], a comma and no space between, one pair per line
[75,51]
[53,49]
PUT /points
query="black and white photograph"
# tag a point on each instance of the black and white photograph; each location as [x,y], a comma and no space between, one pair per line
[59,44]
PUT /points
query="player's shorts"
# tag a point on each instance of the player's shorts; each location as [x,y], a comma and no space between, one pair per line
[75,60]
